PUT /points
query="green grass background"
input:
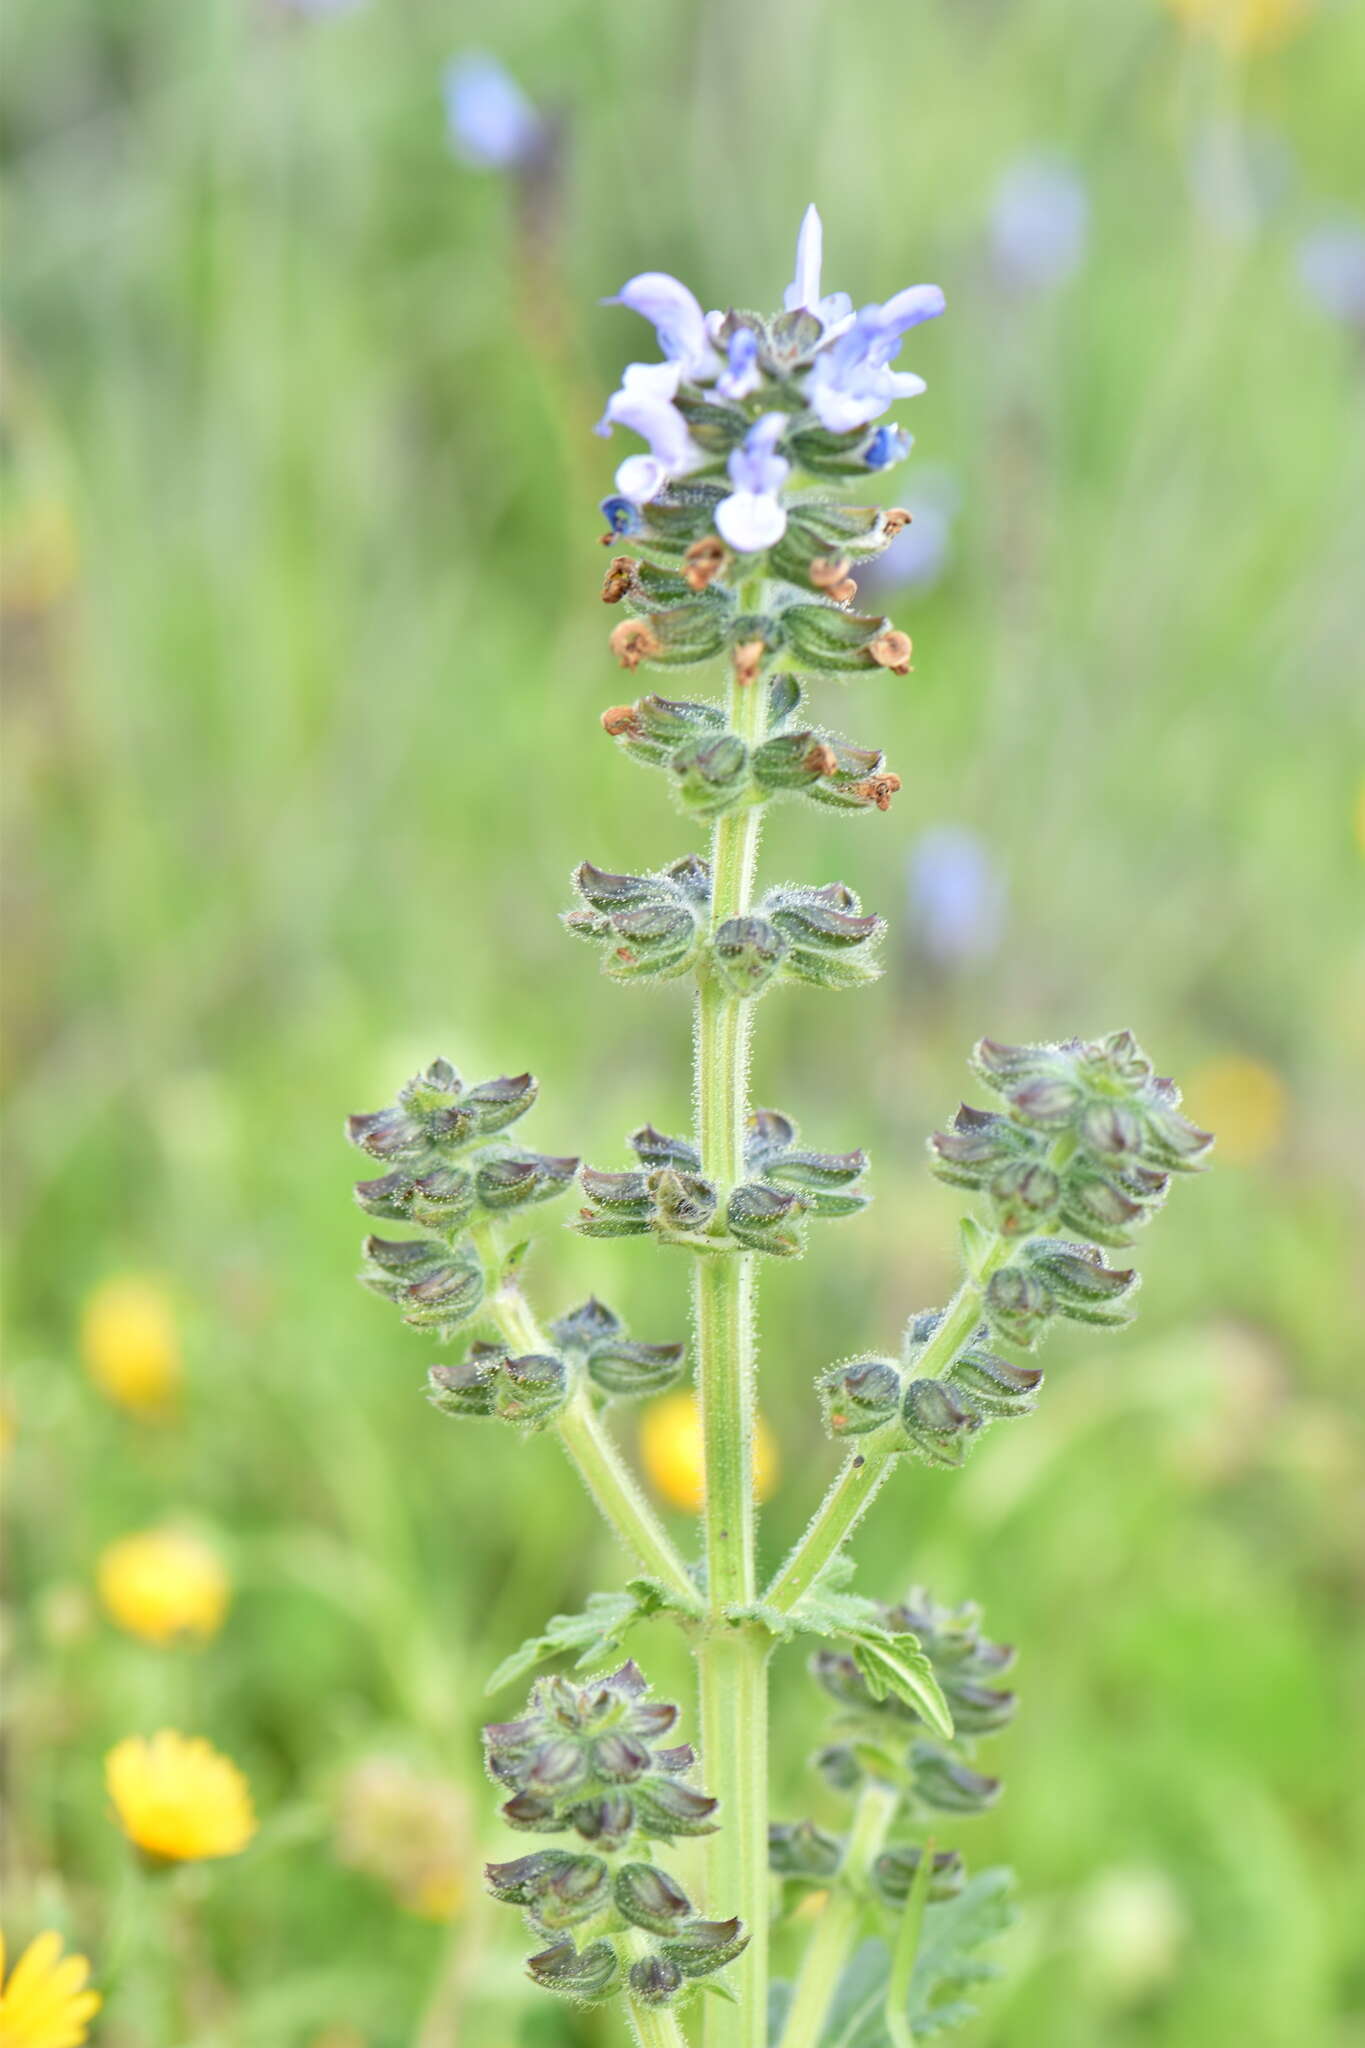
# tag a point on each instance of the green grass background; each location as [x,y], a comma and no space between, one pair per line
[301,746]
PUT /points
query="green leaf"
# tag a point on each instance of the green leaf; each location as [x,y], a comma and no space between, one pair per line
[890,1661]
[593,1634]
[596,1633]
[900,1665]
[946,1967]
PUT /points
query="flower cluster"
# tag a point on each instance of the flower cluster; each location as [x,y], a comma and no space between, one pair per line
[591,1760]
[656,927]
[712,770]
[751,400]
[668,1196]
[593,1348]
[448,1169]
[881,1737]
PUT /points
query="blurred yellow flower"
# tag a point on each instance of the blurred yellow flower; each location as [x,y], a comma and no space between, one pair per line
[1243,1102]
[131,1344]
[408,1828]
[164,1585]
[671,1449]
[1244,25]
[45,2003]
[177,1798]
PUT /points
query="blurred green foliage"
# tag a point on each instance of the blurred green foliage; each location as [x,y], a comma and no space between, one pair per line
[305,661]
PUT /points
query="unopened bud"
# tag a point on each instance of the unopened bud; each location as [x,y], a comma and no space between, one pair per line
[588,1975]
[939,1427]
[804,1851]
[654,1980]
[895,1871]
[860,1396]
[649,1898]
[940,1781]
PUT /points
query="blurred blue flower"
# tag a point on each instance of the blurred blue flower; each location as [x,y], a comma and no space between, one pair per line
[1331,265]
[752,516]
[1039,223]
[957,897]
[922,551]
[492,125]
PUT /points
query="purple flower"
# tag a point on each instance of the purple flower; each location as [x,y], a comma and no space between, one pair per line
[851,382]
[677,318]
[645,405]
[1331,265]
[752,516]
[491,123]
[803,293]
[957,896]
[1040,222]
[741,375]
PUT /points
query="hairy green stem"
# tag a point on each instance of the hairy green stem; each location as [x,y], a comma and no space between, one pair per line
[852,1492]
[896,2011]
[841,1918]
[584,1436]
[732,1659]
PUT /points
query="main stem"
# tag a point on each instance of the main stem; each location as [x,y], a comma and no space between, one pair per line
[732,1657]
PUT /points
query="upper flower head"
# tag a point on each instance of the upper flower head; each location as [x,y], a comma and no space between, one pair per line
[177,1798]
[45,2003]
[164,1585]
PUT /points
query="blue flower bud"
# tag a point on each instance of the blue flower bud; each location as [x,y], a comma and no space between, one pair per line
[802,1851]
[943,1783]
[938,1426]
[895,1870]
[860,1396]
[588,1975]
[761,1218]
[747,952]
[654,1980]
[648,1898]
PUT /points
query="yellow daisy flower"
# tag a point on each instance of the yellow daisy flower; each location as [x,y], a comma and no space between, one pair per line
[45,2003]
[131,1344]
[1244,26]
[164,1585]
[177,1798]
[671,1450]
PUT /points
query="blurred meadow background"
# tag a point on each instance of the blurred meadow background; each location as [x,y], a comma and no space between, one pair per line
[305,660]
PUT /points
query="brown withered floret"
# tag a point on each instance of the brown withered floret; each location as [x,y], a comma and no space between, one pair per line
[896,519]
[820,760]
[618,579]
[633,642]
[892,650]
[878,789]
[830,574]
[749,660]
[704,561]
[620,719]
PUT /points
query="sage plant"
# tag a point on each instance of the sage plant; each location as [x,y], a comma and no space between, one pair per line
[738,550]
